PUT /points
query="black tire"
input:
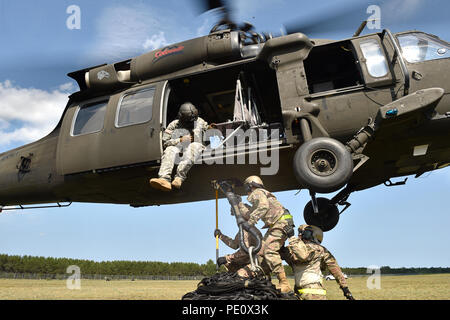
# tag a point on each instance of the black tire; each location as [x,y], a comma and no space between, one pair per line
[326,219]
[323,165]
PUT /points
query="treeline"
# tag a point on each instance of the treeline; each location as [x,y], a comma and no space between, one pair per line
[389,270]
[42,265]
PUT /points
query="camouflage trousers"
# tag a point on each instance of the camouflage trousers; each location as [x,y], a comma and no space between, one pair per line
[311,296]
[272,242]
[239,262]
[171,157]
[236,261]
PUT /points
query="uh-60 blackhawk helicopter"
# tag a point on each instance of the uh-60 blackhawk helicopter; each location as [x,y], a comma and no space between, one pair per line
[342,115]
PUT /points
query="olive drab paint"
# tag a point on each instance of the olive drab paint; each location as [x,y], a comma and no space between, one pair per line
[114,163]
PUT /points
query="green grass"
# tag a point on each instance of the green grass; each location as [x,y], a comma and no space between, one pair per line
[392,287]
[421,287]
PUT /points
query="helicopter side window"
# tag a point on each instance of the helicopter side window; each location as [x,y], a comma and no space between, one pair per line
[89,118]
[375,59]
[135,107]
[332,66]
[419,47]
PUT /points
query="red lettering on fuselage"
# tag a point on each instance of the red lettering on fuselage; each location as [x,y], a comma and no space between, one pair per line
[167,51]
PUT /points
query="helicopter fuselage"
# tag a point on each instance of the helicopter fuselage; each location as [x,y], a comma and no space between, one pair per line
[100,152]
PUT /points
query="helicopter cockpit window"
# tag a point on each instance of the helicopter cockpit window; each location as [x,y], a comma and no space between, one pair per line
[89,118]
[375,59]
[135,107]
[418,47]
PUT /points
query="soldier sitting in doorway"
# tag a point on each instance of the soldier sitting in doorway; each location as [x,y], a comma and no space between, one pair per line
[183,135]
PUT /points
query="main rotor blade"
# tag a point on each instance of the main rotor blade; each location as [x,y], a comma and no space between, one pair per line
[214,4]
[207,5]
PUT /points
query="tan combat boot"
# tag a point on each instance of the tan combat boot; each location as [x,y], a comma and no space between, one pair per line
[177,182]
[283,283]
[161,184]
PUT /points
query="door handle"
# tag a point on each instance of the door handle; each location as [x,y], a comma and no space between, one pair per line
[152,130]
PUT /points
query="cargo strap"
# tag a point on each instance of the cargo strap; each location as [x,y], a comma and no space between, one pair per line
[313,291]
[217,227]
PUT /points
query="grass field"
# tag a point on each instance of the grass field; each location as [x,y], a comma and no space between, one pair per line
[392,287]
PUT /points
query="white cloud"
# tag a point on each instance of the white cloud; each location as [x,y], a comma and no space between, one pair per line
[156,41]
[127,31]
[67,87]
[28,114]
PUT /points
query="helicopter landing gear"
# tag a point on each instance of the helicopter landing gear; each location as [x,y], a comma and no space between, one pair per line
[324,213]
[321,212]
[323,165]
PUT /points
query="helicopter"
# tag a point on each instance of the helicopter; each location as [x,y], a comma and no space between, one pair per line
[340,116]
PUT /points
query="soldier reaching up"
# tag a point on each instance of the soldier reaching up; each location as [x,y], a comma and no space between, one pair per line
[277,220]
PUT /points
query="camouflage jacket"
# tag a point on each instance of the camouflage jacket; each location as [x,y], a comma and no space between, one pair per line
[249,240]
[307,259]
[265,206]
[240,256]
[172,135]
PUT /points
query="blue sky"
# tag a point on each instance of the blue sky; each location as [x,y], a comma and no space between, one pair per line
[401,226]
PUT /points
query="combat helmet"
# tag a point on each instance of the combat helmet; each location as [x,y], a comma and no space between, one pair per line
[253,182]
[187,114]
[310,232]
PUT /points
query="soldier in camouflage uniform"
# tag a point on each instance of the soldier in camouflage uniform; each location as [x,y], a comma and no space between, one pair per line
[308,257]
[183,135]
[239,261]
[276,218]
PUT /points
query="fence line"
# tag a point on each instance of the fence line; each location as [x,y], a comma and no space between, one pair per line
[39,276]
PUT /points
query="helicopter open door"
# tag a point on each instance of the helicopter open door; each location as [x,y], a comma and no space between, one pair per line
[112,132]
[243,97]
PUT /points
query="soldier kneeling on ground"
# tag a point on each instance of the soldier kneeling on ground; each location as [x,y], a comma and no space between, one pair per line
[239,261]
[307,256]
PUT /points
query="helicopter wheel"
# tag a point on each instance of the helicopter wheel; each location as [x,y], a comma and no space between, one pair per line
[327,217]
[323,165]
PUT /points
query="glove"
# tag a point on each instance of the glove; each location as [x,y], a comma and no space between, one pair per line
[347,293]
[284,252]
[234,199]
[289,229]
[221,261]
[217,233]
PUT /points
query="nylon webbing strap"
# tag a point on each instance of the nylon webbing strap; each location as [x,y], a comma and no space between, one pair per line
[313,291]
